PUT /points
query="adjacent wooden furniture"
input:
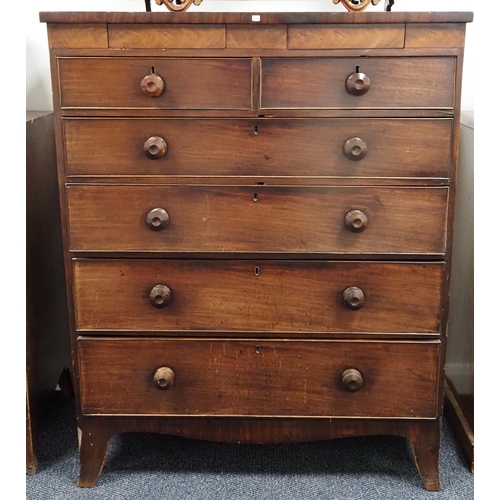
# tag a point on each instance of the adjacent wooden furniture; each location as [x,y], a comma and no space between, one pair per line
[459,384]
[47,330]
[258,215]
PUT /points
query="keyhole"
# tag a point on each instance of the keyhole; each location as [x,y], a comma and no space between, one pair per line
[153,70]
[256,271]
[255,197]
[256,130]
[257,349]
[357,69]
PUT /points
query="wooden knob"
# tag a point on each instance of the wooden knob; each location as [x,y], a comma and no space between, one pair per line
[357,84]
[155,148]
[160,296]
[152,85]
[157,219]
[353,298]
[356,221]
[164,378]
[355,148]
[352,380]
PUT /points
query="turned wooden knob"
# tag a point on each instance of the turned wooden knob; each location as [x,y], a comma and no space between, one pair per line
[352,380]
[355,148]
[155,148]
[160,296]
[356,221]
[353,298]
[152,85]
[357,84]
[164,378]
[157,219]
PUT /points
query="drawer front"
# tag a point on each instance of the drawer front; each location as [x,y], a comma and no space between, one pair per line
[343,220]
[322,147]
[257,296]
[187,83]
[316,83]
[258,378]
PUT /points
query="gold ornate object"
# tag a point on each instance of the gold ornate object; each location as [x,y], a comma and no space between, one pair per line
[178,5]
[354,5]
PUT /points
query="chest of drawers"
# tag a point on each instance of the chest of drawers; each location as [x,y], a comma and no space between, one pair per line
[257,217]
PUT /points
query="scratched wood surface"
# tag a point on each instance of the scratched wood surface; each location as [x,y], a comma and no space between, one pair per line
[244,377]
[285,296]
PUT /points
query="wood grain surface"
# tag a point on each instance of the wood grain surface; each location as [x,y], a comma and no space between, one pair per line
[281,297]
[349,36]
[412,82]
[258,378]
[250,219]
[256,37]
[432,35]
[82,36]
[401,148]
[265,17]
[161,36]
[189,83]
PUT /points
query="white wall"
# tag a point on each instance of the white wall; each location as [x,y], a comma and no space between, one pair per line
[38,88]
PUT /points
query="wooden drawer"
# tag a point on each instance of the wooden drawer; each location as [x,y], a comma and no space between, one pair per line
[257,296]
[260,147]
[347,220]
[320,83]
[258,378]
[115,82]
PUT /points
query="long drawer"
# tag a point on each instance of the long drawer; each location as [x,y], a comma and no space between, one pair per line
[257,296]
[258,378]
[259,147]
[345,220]
[119,82]
[397,82]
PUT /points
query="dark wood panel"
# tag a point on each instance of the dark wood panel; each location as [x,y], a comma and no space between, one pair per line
[265,17]
[415,82]
[260,147]
[161,36]
[347,36]
[47,325]
[257,296]
[188,83]
[257,219]
[459,412]
[268,378]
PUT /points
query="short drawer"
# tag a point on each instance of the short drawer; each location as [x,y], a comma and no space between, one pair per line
[395,148]
[347,220]
[257,296]
[258,378]
[322,83]
[161,83]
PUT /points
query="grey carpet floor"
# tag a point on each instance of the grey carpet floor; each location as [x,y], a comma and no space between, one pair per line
[157,467]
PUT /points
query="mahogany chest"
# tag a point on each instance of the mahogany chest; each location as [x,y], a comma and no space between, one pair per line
[257,214]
